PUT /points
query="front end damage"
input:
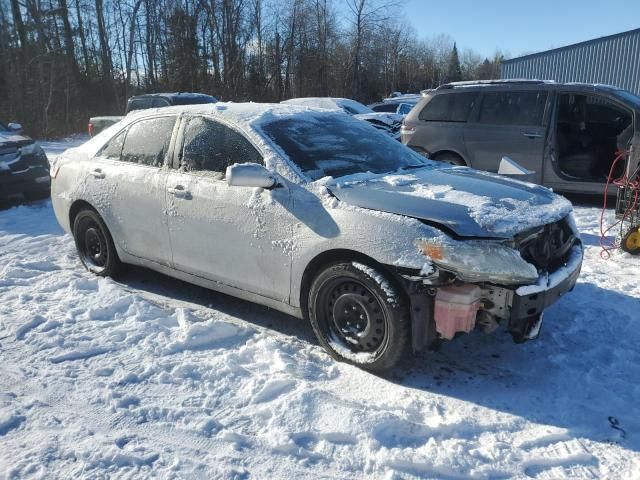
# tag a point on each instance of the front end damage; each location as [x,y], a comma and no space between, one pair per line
[446,302]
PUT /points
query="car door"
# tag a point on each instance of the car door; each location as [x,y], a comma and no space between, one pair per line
[128,182]
[508,123]
[239,236]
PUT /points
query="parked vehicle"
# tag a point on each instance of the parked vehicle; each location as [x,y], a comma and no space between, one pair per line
[321,216]
[150,100]
[389,123]
[567,134]
[24,168]
[400,104]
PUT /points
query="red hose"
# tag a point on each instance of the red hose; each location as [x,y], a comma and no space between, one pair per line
[634,185]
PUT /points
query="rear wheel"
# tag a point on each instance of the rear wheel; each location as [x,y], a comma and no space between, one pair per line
[450,158]
[95,245]
[631,241]
[358,316]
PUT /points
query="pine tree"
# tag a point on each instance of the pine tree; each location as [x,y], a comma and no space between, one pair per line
[454,71]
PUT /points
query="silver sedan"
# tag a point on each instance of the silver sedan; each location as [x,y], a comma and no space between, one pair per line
[320,216]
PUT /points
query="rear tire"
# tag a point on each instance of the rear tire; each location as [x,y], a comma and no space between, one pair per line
[359,316]
[94,244]
[450,158]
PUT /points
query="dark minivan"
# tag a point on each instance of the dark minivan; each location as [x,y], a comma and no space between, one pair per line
[568,134]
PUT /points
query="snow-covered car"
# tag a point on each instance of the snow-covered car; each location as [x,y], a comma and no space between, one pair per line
[388,122]
[321,216]
[24,168]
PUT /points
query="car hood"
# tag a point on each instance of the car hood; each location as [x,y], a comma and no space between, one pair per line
[468,202]
[11,139]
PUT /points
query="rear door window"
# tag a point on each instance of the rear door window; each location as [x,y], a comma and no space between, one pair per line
[210,146]
[513,108]
[449,107]
[147,141]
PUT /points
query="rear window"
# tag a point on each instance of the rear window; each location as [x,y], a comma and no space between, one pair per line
[449,107]
[513,108]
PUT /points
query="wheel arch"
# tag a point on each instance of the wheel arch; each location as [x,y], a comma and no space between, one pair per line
[328,257]
[76,207]
[443,152]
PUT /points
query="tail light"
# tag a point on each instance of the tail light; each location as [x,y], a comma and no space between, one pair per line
[90,129]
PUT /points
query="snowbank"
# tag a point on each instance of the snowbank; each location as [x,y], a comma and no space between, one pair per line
[148,376]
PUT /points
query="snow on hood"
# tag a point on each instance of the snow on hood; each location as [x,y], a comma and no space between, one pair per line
[470,203]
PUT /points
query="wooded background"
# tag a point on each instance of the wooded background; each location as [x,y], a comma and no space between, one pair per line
[62,61]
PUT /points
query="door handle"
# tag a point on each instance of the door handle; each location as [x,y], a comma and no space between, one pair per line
[532,135]
[178,191]
[97,173]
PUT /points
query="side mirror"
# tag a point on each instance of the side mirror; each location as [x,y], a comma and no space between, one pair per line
[510,168]
[15,127]
[250,175]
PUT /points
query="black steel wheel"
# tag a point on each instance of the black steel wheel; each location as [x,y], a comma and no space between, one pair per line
[358,316]
[95,245]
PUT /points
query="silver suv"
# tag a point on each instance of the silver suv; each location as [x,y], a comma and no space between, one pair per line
[568,134]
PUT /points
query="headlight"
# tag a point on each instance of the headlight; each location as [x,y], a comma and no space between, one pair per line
[479,261]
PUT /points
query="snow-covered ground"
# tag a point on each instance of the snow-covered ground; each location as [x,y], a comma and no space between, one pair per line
[149,376]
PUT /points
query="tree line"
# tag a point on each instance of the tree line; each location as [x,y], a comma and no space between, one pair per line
[62,61]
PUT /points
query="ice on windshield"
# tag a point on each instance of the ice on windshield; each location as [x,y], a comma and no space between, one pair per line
[333,145]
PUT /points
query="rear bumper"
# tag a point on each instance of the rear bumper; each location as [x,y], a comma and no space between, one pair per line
[35,180]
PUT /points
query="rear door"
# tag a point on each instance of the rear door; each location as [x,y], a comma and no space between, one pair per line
[508,123]
[128,182]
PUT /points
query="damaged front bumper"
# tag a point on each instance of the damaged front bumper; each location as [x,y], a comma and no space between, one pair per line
[520,308]
[529,302]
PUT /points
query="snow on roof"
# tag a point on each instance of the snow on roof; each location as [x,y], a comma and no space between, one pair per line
[331,103]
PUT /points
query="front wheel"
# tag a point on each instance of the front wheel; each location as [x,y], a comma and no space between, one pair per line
[95,245]
[359,316]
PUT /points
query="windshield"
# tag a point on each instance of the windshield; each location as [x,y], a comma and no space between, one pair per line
[3,127]
[335,145]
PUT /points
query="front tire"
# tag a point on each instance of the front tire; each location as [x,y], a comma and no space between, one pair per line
[359,316]
[94,244]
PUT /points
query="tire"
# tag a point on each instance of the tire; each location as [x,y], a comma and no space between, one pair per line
[631,241]
[450,158]
[94,244]
[359,316]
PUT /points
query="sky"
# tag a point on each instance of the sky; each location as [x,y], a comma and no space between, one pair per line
[517,27]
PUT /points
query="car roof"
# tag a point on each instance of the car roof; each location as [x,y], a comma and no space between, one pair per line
[508,84]
[175,95]
[242,114]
